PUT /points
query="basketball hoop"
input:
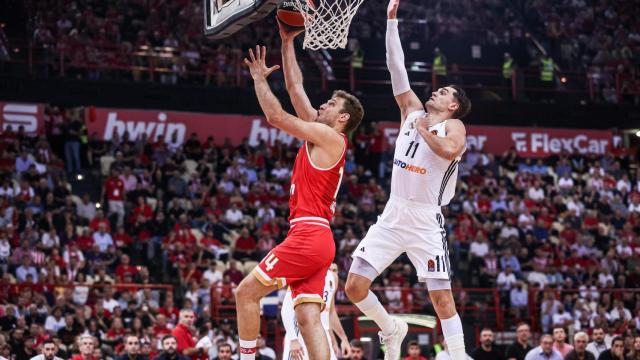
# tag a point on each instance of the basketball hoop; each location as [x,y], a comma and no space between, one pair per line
[327,23]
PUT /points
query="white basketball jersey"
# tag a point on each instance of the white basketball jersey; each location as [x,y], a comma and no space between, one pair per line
[328,294]
[287,311]
[419,174]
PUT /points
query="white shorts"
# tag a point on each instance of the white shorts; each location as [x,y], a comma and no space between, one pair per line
[414,228]
[287,344]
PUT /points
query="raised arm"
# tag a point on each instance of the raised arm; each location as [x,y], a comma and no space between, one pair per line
[448,147]
[407,100]
[293,76]
[320,135]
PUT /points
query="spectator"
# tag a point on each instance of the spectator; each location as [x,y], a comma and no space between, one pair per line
[634,354]
[86,345]
[86,210]
[131,349]
[224,351]
[519,299]
[580,352]
[486,350]
[26,270]
[183,334]
[170,349]
[266,353]
[413,351]
[598,345]
[519,349]
[102,238]
[357,351]
[49,351]
[545,351]
[115,192]
[616,352]
[559,341]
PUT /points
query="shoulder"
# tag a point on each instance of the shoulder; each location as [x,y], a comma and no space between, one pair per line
[455,124]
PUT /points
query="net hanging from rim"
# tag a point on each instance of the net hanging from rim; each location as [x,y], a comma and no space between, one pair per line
[327,23]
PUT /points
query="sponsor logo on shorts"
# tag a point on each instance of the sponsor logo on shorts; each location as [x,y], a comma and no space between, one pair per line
[408,167]
[431,265]
[362,249]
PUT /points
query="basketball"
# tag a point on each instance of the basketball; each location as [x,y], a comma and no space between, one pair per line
[289,15]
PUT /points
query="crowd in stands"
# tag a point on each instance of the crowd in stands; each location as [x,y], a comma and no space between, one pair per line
[558,237]
[104,41]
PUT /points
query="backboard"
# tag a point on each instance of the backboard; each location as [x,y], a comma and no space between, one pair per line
[224,17]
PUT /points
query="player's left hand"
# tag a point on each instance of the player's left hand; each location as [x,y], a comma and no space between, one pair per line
[258,64]
[346,348]
[422,122]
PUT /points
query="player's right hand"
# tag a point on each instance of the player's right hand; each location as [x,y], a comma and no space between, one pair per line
[287,33]
[296,351]
[392,9]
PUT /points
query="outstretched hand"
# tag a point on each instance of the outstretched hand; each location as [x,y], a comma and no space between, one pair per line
[288,33]
[258,64]
[392,9]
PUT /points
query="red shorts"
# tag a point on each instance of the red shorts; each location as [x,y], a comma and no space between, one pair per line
[300,261]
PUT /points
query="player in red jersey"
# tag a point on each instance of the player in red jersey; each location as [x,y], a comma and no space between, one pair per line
[302,260]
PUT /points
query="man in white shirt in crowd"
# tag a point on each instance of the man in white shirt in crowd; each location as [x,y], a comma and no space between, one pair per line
[86,209]
[519,299]
[509,230]
[102,238]
[479,246]
[536,193]
[598,345]
[565,184]
[233,215]
[545,351]
[49,351]
[213,274]
[619,312]
[109,303]
[506,279]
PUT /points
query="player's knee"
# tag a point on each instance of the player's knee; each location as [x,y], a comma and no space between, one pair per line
[308,315]
[243,291]
[443,303]
[356,288]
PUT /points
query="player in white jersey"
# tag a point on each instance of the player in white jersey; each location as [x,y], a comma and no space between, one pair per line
[425,169]
[294,347]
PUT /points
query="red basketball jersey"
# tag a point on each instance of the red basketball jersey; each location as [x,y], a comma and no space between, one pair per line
[313,190]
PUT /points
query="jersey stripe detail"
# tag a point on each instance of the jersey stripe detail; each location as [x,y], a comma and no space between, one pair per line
[447,175]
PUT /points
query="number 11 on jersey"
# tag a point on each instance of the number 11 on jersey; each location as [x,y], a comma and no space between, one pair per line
[415,148]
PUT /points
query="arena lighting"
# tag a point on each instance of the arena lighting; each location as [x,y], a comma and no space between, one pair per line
[98,205]
[563,79]
[638,133]
[79,177]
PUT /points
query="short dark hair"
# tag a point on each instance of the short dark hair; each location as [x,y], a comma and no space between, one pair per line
[49,341]
[351,106]
[617,338]
[413,343]
[355,343]
[464,104]
[222,344]
[169,336]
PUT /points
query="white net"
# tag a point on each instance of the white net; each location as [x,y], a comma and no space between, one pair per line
[327,23]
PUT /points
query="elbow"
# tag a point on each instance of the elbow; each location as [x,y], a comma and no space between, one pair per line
[274,118]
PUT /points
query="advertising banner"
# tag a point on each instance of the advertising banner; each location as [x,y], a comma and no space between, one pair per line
[29,115]
[535,142]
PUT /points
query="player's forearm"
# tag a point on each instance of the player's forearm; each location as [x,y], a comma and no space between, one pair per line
[444,147]
[395,59]
[336,326]
[268,102]
[294,82]
[292,72]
